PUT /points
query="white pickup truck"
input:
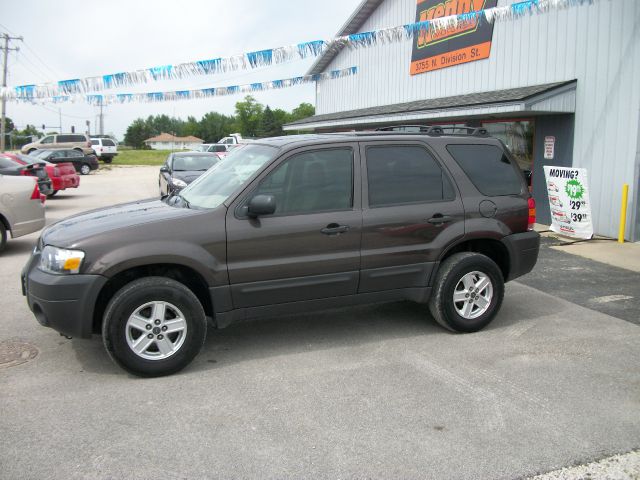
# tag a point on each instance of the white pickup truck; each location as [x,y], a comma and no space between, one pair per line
[234,139]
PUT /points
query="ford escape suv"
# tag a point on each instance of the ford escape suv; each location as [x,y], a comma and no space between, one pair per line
[287,225]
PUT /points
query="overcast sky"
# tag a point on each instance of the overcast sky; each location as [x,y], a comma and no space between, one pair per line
[70,39]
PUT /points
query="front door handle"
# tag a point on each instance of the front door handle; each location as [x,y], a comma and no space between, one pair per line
[439,219]
[334,229]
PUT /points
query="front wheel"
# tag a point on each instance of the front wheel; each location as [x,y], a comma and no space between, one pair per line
[85,169]
[468,292]
[154,326]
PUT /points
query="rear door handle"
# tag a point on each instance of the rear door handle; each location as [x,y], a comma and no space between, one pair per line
[334,229]
[439,219]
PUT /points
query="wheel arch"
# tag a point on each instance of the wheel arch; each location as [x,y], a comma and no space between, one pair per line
[184,274]
[491,247]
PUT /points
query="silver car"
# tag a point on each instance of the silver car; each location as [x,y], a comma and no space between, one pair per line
[21,207]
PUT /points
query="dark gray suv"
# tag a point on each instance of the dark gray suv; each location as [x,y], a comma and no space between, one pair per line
[287,225]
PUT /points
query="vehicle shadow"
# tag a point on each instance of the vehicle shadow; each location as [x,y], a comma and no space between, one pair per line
[19,246]
[294,334]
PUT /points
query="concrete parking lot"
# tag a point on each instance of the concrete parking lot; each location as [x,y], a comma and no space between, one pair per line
[367,392]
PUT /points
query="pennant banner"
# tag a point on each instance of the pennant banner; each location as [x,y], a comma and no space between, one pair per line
[279,55]
[107,99]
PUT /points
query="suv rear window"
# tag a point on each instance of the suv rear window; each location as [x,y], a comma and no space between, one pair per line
[108,143]
[488,168]
[404,174]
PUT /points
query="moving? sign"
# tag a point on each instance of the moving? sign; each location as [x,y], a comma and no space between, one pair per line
[569,201]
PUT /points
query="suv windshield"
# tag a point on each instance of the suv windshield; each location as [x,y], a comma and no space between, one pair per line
[213,188]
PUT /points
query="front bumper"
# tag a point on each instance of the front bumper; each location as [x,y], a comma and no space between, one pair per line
[62,302]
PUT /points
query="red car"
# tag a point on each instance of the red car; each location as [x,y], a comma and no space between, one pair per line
[63,175]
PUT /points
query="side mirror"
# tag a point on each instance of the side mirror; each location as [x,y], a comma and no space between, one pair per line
[261,205]
[164,169]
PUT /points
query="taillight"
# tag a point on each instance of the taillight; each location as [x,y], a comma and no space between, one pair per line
[88,144]
[532,213]
[35,195]
[56,172]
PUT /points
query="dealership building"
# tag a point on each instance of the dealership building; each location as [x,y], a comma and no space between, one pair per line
[559,87]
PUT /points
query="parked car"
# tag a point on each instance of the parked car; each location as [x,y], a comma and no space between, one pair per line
[286,225]
[9,166]
[73,141]
[21,207]
[182,168]
[212,148]
[81,162]
[104,148]
[62,175]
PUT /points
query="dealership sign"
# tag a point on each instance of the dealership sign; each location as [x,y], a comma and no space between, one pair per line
[569,201]
[466,41]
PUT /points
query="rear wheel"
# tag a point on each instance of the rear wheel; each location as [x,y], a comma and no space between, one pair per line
[154,326]
[3,236]
[85,169]
[52,193]
[107,159]
[468,292]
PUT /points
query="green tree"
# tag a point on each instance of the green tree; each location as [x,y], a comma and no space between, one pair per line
[269,126]
[137,133]
[190,127]
[248,116]
[303,110]
[9,126]
[213,126]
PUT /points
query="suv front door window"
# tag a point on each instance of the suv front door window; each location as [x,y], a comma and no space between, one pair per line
[310,247]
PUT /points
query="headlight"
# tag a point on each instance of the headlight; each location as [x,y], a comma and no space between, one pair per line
[178,183]
[60,261]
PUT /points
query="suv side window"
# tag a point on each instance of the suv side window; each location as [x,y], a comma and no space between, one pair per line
[403,174]
[488,168]
[95,142]
[310,182]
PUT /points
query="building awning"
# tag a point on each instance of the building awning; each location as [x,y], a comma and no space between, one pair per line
[532,100]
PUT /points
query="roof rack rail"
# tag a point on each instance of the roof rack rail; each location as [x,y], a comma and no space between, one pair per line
[436,130]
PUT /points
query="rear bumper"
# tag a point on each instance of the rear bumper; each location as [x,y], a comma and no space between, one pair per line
[62,302]
[523,251]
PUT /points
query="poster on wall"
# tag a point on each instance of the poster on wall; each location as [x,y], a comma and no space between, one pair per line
[569,201]
[468,41]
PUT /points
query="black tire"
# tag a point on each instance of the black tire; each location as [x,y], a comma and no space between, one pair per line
[85,169]
[128,301]
[107,160]
[3,236]
[449,276]
[52,194]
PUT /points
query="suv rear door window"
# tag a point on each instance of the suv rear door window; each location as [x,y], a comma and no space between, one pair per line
[403,174]
[310,182]
[488,168]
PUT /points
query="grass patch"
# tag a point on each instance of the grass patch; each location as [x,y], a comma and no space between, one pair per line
[141,157]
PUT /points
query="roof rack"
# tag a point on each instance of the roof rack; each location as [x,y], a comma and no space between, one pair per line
[435,130]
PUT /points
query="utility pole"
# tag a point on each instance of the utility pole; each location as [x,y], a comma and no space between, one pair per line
[5,50]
